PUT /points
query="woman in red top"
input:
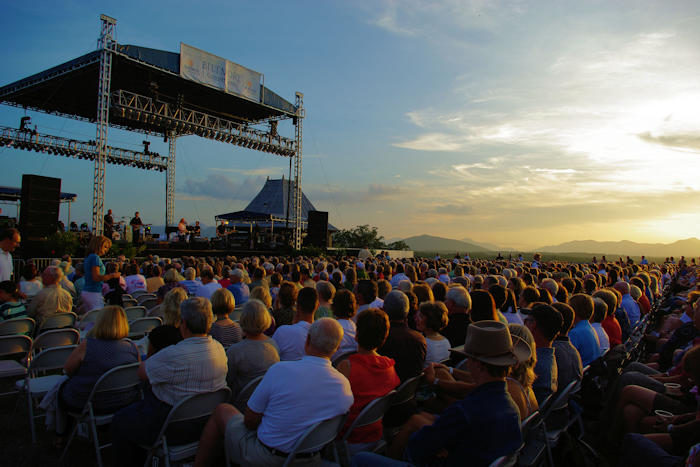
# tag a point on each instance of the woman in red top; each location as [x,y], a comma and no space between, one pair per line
[370,374]
[610,324]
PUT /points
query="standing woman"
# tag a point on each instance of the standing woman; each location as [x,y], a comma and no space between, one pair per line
[91,295]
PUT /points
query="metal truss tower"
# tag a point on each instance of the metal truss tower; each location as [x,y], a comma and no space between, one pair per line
[106,43]
[298,127]
[170,181]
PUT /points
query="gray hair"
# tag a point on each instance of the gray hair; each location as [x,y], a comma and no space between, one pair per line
[325,290]
[52,275]
[459,296]
[325,335]
[405,285]
[197,315]
[396,305]
[238,273]
[255,318]
[551,286]
[190,274]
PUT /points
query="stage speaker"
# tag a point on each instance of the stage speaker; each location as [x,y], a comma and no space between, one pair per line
[317,229]
[38,215]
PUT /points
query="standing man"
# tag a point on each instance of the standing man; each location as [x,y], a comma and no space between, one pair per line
[108,224]
[136,224]
[9,241]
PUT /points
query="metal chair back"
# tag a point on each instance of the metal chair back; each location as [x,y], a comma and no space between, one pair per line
[245,393]
[317,436]
[407,390]
[58,321]
[17,326]
[141,326]
[15,345]
[55,338]
[142,298]
[135,312]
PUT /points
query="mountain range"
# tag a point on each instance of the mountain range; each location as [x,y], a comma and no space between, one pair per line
[688,247]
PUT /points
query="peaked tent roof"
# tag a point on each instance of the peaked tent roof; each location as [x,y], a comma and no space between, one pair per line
[271,202]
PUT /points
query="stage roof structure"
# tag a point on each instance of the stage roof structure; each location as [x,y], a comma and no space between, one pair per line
[270,206]
[161,93]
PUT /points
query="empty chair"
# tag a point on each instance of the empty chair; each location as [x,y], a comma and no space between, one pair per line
[141,326]
[247,391]
[17,326]
[121,380]
[137,293]
[90,317]
[58,321]
[13,348]
[149,303]
[193,409]
[135,312]
[36,386]
[129,302]
[372,413]
[141,298]
[55,338]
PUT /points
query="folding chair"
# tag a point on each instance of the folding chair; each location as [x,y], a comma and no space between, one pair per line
[90,317]
[119,380]
[36,386]
[58,321]
[562,405]
[13,346]
[142,298]
[55,338]
[341,357]
[509,460]
[535,446]
[192,409]
[316,437]
[140,327]
[17,326]
[245,393]
[372,412]
[405,393]
[128,302]
[137,293]
[148,303]
[135,312]
[236,313]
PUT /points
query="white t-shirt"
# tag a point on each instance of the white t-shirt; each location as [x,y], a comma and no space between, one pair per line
[437,350]
[294,395]
[135,282]
[5,265]
[291,339]
[348,344]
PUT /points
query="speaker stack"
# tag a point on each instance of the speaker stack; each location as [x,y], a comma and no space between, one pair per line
[317,229]
[38,215]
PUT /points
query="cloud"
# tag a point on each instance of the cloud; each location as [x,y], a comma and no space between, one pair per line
[678,141]
[259,171]
[372,193]
[220,187]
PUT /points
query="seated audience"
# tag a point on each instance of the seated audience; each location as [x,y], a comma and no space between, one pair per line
[582,335]
[291,397]
[30,284]
[569,365]
[344,307]
[544,322]
[522,375]
[11,305]
[208,285]
[326,291]
[405,346]
[600,311]
[52,298]
[223,329]
[430,320]
[459,304]
[284,305]
[291,338]
[134,280]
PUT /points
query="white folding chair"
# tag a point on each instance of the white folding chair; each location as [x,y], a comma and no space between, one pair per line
[316,437]
[36,386]
[58,321]
[149,303]
[193,409]
[142,298]
[17,347]
[140,327]
[371,413]
[135,312]
[119,380]
[90,317]
[128,302]
[17,326]
[242,397]
[137,293]
[55,338]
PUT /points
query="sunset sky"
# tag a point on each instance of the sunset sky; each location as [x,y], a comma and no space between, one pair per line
[519,123]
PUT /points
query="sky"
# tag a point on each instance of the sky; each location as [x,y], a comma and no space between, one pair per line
[519,123]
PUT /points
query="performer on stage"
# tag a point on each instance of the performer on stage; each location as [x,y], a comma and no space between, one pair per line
[182,230]
[221,229]
[108,224]
[197,229]
[136,225]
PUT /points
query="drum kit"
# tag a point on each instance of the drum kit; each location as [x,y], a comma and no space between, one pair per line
[122,230]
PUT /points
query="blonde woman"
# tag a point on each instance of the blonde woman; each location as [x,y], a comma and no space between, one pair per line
[522,375]
[263,294]
[104,349]
[94,268]
[169,310]
[223,329]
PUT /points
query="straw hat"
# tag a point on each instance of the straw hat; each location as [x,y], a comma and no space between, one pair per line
[491,342]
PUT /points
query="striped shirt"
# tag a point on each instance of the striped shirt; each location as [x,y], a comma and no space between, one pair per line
[9,310]
[227,332]
[192,366]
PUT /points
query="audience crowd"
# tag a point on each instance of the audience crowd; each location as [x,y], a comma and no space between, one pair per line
[325,336]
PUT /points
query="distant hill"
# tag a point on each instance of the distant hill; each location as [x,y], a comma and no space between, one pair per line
[688,247]
[488,246]
[431,243]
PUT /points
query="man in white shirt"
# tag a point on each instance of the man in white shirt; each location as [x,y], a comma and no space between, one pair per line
[208,285]
[52,298]
[291,338]
[195,365]
[291,397]
[366,296]
[9,241]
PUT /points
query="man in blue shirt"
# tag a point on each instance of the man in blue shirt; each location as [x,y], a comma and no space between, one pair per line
[484,425]
[545,323]
[583,336]
[238,288]
[628,304]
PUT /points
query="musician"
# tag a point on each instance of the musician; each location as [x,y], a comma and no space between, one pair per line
[221,229]
[108,224]
[197,229]
[182,230]
[136,224]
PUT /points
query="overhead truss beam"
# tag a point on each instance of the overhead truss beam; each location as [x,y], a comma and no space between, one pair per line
[59,146]
[182,120]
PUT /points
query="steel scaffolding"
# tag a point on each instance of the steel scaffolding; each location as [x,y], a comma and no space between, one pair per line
[106,43]
[297,168]
[170,181]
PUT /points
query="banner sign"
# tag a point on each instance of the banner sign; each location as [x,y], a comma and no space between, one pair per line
[220,73]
